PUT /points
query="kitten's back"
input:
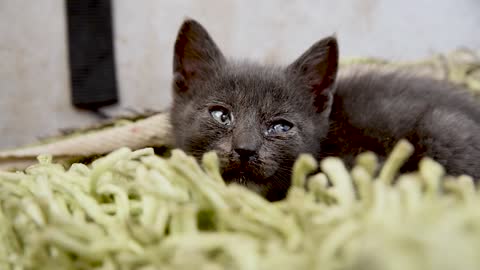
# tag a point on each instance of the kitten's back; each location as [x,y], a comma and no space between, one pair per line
[373,109]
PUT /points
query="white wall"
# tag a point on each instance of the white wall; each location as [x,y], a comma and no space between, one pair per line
[34,86]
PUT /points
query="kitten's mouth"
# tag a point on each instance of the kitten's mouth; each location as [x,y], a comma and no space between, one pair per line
[243,172]
[238,176]
[245,179]
[254,177]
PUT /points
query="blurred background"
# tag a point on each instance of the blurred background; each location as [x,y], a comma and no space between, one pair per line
[36,52]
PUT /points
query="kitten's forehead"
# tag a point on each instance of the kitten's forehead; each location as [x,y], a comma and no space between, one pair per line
[255,85]
[253,75]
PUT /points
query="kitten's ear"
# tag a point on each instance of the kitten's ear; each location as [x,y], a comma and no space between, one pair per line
[317,68]
[195,55]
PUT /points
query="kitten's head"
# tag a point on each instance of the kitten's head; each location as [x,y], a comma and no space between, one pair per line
[257,118]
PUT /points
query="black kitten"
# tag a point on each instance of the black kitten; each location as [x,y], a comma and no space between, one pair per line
[260,118]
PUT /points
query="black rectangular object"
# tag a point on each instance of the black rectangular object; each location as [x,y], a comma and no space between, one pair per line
[91,53]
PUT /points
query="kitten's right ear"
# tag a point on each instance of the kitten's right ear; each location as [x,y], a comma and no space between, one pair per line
[317,68]
[195,55]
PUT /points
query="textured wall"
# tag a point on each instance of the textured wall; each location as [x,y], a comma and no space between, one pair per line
[34,87]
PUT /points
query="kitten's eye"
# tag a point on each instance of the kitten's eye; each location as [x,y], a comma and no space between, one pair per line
[221,115]
[281,126]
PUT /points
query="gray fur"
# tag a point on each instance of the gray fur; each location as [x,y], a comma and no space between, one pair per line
[331,116]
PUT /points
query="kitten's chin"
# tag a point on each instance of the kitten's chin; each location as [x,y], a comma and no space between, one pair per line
[246,181]
[263,187]
[259,189]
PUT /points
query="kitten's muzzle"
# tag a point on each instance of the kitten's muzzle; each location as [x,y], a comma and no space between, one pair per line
[246,144]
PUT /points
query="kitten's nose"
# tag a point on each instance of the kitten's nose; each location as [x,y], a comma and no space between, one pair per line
[246,144]
[246,152]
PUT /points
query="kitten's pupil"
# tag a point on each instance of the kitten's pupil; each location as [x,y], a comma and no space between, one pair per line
[222,116]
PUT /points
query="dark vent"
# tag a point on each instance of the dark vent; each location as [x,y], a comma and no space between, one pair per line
[91,53]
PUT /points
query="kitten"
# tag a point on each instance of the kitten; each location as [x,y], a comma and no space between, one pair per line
[260,118]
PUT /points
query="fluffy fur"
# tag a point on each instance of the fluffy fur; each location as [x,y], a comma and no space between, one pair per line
[330,114]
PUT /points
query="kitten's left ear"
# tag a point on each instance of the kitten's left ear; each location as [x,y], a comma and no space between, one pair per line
[195,55]
[317,68]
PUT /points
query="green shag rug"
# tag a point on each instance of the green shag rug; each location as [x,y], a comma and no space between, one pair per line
[136,210]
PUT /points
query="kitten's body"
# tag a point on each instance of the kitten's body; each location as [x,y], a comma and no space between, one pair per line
[372,110]
[260,118]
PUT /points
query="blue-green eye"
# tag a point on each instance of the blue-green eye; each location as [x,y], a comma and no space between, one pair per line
[221,115]
[280,126]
